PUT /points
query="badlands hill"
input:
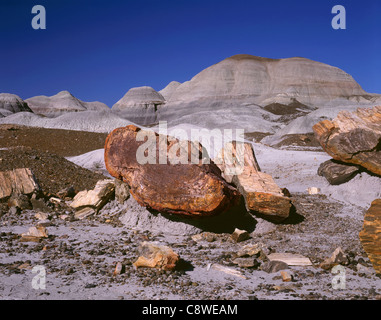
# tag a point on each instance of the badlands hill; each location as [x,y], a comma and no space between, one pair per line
[275,97]
[139,105]
[266,95]
[61,103]
[11,103]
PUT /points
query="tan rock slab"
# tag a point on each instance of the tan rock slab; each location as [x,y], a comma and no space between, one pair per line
[291,259]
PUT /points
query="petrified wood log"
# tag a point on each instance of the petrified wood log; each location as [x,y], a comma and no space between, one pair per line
[337,172]
[262,195]
[353,137]
[370,234]
[167,175]
[16,182]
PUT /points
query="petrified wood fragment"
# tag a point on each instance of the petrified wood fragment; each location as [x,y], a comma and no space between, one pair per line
[262,195]
[16,182]
[353,137]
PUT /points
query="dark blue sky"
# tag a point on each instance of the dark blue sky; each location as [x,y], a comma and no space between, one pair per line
[99,49]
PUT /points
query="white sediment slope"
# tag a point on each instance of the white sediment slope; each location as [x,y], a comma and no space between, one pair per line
[275,96]
[139,105]
[236,93]
[93,121]
[169,89]
[61,103]
[11,103]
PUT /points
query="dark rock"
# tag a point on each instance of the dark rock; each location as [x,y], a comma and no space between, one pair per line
[274,266]
[337,172]
[40,205]
[67,193]
[122,191]
[19,200]
[14,210]
[246,262]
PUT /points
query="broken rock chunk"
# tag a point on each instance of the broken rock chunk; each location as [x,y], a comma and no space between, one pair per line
[353,137]
[262,195]
[291,259]
[337,257]
[154,255]
[17,181]
[34,234]
[240,235]
[96,198]
[336,172]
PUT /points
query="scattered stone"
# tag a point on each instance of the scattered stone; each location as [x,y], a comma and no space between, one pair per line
[19,200]
[286,277]
[64,217]
[180,184]
[66,193]
[154,255]
[118,269]
[262,195]
[96,198]
[364,270]
[204,236]
[34,234]
[240,235]
[286,288]
[313,190]
[274,266]
[370,234]
[246,262]
[290,258]
[55,200]
[42,216]
[39,205]
[24,266]
[226,270]
[84,213]
[17,181]
[256,249]
[337,257]
[122,191]
[14,210]
[353,137]
[337,172]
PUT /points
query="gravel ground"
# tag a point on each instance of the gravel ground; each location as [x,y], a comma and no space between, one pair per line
[80,256]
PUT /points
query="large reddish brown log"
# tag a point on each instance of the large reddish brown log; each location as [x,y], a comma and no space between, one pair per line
[192,189]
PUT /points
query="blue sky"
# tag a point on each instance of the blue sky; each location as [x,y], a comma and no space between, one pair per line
[99,49]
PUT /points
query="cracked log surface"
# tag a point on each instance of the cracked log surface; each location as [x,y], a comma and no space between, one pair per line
[353,137]
[370,234]
[190,189]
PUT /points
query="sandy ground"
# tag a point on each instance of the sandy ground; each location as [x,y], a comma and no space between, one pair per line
[80,256]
